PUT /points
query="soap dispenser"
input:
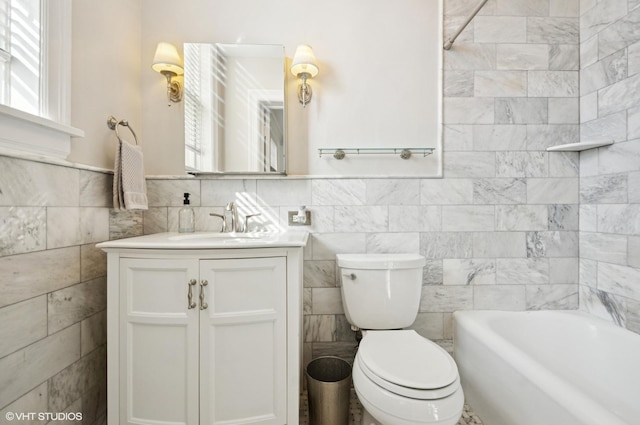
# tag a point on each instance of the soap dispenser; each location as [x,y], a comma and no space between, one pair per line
[186,216]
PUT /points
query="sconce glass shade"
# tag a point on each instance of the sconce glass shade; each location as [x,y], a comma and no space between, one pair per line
[304,62]
[167,59]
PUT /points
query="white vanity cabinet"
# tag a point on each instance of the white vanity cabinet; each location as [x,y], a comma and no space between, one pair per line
[203,336]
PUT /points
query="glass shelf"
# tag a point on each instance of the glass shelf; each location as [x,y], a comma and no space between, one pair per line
[404,153]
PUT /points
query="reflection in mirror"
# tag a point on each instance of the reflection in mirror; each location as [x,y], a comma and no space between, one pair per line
[234,108]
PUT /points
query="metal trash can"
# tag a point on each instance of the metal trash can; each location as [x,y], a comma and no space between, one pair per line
[329,391]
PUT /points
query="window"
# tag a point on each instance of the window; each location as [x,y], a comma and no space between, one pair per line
[35,76]
[21,58]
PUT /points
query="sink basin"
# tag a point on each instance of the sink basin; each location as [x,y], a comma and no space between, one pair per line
[219,236]
[210,240]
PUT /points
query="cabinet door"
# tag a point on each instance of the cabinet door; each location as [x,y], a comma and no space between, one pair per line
[159,342]
[243,342]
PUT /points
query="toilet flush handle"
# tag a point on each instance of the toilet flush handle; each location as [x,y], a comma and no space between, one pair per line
[350,276]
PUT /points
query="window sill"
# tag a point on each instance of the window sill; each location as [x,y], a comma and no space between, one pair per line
[26,132]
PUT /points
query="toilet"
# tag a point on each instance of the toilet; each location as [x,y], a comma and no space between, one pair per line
[400,377]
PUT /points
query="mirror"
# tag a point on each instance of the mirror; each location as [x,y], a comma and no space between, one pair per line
[234,108]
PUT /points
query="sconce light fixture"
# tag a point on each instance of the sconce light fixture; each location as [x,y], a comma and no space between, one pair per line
[167,62]
[304,66]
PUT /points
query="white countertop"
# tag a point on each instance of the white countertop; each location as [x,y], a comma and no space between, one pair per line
[210,240]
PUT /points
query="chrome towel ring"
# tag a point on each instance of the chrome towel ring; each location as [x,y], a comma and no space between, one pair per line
[113,123]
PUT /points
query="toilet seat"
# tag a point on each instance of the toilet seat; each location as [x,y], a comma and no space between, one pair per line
[408,364]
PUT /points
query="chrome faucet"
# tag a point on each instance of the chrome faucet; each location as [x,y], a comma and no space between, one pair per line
[235,224]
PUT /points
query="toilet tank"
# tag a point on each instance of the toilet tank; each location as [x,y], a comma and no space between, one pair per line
[380,291]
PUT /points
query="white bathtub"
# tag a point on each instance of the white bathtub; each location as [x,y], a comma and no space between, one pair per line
[547,368]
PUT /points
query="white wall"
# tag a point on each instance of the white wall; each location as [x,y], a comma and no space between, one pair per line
[375,88]
[105,76]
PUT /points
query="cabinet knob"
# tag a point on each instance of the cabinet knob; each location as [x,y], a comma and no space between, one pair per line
[190,303]
[203,304]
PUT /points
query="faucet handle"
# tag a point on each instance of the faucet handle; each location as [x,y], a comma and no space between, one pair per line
[224,220]
[246,220]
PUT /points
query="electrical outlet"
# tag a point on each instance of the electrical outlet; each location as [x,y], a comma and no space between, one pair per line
[296,220]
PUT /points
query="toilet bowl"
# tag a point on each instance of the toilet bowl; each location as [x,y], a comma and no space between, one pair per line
[400,377]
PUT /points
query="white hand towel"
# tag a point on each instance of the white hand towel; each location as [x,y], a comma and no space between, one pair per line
[129,184]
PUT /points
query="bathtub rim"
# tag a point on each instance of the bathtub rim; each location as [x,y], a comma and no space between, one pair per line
[585,407]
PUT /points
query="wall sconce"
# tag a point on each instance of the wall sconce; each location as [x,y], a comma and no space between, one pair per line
[304,66]
[167,62]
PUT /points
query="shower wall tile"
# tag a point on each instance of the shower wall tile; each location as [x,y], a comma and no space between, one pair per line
[392,191]
[622,95]
[468,110]
[439,245]
[522,271]
[499,244]
[564,57]
[553,83]
[604,73]
[552,244]
[499,191]
[499,137]
[361,218]
[564,110]
[619,280]
[393,242]
[601,16]
[446,298]
[326,301]
[609,128]
[500,29]
[338,192]
[522,8]
[474,56]
[469,272]
[521,111]
[603,247]
[541,137]
[470,164]
[564,270]
[325,246]
[604,189]
[415,218]
[564,164]
[521,164]
[458,137]
[620,33]
[522,56]
[499,297]
[619,218]
[500,83]
[468,218]
[566,8]
[564,217]
[552,191]
[521,217]
[446,191]
[621,157]
[458,83]
[552,30]
[551,297]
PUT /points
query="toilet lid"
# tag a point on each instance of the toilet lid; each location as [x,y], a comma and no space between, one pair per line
[405,359]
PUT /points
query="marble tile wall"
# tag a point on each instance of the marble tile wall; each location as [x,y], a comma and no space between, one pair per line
[610,176]
[53,287]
